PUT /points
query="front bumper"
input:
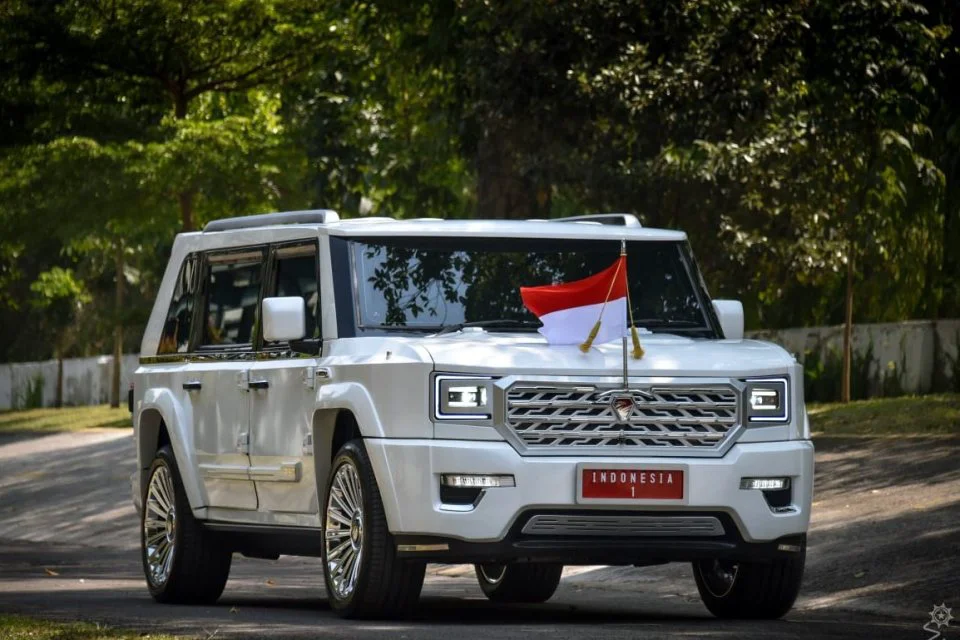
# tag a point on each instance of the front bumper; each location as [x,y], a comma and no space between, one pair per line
[408,474]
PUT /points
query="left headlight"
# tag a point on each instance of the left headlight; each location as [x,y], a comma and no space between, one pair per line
[463,397]
[768,400]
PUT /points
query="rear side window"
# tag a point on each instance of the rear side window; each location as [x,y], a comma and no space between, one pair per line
[233,293]
[176,328]
[297,276]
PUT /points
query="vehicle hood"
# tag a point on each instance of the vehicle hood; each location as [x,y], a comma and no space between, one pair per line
[665,355]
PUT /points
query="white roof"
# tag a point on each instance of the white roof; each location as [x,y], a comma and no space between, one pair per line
[495,229]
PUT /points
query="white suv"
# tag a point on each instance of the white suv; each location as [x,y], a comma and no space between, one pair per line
[374,392]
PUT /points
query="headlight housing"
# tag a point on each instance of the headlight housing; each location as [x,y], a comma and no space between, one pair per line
[768,400]
[462,397]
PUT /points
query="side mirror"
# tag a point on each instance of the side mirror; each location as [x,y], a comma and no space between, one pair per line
[284,319]
[730,313]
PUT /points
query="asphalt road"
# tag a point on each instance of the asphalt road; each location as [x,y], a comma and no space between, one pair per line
[884,549]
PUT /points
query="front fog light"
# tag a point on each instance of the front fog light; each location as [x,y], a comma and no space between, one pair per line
[476,481]
[767,400]
[765,484]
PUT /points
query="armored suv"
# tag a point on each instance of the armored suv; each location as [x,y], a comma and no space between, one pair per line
[373,392]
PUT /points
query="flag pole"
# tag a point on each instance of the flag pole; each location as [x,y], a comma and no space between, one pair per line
[623,340]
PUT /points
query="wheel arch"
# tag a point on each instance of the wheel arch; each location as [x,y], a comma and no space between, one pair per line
[332,428]
[160,421]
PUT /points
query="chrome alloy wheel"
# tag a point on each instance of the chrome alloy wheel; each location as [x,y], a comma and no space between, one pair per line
[160,526]
[718,576]
[343,531]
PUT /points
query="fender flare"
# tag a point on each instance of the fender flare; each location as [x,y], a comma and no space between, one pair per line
[177,420]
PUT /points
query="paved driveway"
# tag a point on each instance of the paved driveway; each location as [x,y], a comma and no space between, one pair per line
[883,551]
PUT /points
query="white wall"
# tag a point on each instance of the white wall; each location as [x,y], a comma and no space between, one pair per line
[912,349]
[86,381]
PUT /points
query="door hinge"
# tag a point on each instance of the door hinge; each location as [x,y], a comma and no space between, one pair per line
[309,378]
[243,442]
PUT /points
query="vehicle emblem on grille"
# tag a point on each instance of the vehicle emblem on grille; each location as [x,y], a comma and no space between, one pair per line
[623,407]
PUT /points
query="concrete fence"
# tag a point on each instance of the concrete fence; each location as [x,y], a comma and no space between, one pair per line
[86,381]
[889,359]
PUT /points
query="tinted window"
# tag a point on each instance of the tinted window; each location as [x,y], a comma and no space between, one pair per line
[430,283]
[297,276]
[233,289]
[176,329]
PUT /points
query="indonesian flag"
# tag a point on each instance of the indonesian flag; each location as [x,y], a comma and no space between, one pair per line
[570,310]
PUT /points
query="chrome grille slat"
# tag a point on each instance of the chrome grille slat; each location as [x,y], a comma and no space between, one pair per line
[551,417]
[635,526]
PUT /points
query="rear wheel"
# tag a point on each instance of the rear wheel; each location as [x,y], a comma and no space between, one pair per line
[529,583]
[764,590]
[182,561]
[363,575]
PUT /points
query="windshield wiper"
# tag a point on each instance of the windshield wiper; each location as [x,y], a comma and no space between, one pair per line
[649,323]
[498,323]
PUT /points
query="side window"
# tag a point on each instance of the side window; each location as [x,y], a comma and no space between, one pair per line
[296,275]
[176,329]
[233,291]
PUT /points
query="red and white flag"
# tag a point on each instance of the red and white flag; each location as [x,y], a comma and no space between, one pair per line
[570,310]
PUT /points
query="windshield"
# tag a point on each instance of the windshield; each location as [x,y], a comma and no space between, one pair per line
[427,284]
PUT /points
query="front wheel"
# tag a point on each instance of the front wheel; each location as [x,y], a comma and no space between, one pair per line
[757,590]
[529,583]
[363,575]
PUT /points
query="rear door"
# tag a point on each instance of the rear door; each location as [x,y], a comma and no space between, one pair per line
[281,408]
[229,318]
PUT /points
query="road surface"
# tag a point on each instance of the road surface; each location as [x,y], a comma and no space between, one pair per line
[883,550]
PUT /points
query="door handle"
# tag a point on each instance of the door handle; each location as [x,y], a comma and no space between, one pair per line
[259,384]
[192,385]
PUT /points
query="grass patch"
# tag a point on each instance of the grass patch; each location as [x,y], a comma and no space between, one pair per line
[65,419]
[909,415]
[23,628]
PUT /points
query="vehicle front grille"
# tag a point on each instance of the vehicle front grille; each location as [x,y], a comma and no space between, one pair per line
[633,526]
[547,417]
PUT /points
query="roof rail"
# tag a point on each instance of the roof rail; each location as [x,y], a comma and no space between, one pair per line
[313,216]
[612,219]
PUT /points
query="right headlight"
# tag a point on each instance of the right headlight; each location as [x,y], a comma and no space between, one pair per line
[768,400]
[463,397]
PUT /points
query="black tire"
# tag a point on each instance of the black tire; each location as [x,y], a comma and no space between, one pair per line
[757,590]
[518,583]
[385,585]
[201,564]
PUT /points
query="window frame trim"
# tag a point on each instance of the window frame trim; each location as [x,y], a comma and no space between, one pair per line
[294,249]
[197,258]
[220,256]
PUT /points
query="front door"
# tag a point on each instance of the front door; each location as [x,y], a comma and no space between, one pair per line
[229,316]
[281,407]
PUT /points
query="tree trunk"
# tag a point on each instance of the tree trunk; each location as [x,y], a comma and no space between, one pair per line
[58,399]
[185,197]
[848,333]
[117,329]
[502,190]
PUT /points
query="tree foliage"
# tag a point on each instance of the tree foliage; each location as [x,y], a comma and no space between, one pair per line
[790,139]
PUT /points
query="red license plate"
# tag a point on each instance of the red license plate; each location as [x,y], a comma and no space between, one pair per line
[656,484]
